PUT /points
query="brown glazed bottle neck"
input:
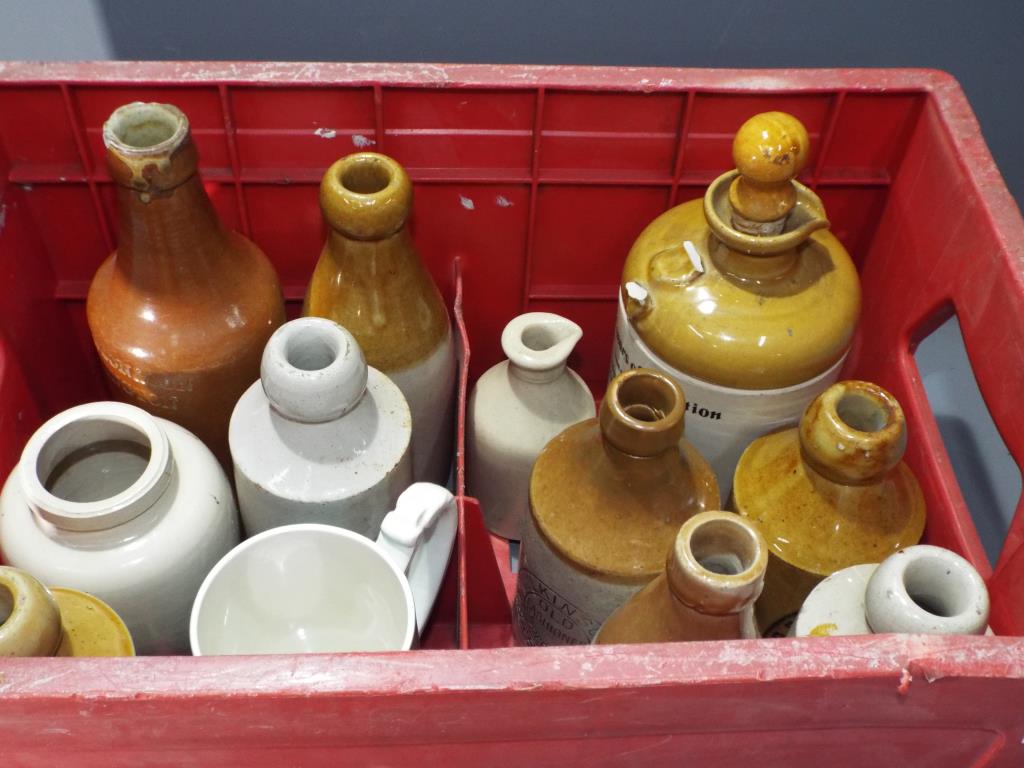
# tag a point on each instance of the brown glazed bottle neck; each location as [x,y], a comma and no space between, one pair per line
[853,433]
[169,236]
[642,413]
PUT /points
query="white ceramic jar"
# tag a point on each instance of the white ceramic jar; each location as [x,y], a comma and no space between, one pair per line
[515,408]
[321,437]
[921,590]
[131,508]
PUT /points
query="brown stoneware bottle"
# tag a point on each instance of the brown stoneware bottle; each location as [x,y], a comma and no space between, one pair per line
[181,311]
[828,494]
[607,498]
[713,574]
[370,279]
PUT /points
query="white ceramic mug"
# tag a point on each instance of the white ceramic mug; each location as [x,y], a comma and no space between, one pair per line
[312,588]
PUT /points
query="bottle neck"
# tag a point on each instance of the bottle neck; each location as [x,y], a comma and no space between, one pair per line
[96,466]
[169,240]
[368,259]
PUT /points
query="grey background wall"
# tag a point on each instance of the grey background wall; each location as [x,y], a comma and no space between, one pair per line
[980,42]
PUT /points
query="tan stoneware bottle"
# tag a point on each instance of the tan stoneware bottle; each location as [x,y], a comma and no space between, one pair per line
[36,621]
[744,297]
[370,279]
[714,572]
[607,498]
[181,311]
[830,493]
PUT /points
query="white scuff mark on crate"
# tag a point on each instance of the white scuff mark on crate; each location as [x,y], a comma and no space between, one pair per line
[503,202]
[325,133]
[665,82]
[362,142]
[467,203]
[905,679]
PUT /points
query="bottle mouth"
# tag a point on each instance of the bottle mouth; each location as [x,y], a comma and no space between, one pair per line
[538,344]
[95,466]
[366,174]
[718,562]
[141,129]
[313,370]
[642,412]
[366,196]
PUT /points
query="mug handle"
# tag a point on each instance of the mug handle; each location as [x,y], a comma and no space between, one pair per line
[417,536]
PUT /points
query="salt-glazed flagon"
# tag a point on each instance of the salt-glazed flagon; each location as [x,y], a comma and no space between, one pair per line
[180,311]
[513,411]
[120,504]
[921,590]
[744,297]
[607,498]
[322,437]
[371,280]
[714,572]
[831,493]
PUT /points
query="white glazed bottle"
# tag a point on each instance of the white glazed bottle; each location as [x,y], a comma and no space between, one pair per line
[321,437]
[515,408]
[128,507]
[921,590]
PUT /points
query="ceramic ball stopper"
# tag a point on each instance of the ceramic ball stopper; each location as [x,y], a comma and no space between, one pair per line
[769,150]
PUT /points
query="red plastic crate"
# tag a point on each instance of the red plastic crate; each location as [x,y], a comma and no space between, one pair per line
[531,183]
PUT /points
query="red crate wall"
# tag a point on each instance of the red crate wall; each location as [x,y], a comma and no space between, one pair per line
[535,182]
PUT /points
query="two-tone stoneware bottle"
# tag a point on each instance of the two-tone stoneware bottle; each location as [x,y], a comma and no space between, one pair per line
[713,574]
[36,621]
[322,437]
[181,311]
[515,408]
[607,499]
[744,297]
[371,280]
[830,493]
[922,590]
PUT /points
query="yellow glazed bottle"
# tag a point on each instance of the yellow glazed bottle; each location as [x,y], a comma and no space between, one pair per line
[36,621]
[713,574]
[830,493]
[607,498]
[745,297]
[371,280]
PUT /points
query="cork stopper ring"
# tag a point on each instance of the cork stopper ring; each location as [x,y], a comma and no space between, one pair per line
[769,150]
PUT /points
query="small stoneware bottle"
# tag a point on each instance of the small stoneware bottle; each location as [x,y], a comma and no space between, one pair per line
[831,493]
[920,590]
[713,574]
[371,280]
[744,297]
[607,498]
[181,310]
[60,622]
[322,437]
[513,411]
[115,502]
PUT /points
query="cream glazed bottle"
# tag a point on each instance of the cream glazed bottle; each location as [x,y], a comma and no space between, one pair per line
[322,437]
[745,297]
[920,590]
[515,408]
[371,280]
[128,507]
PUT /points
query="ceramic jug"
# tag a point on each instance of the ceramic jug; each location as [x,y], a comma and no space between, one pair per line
[371,280]
[744,297]
[831,493]
[180,312]
[607,498]
[322,437]
[131,508]
[36,621]
[921,590]
[714,572]
[513,411]
[312,588]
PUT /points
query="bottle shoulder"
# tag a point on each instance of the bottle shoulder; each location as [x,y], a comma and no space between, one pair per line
[815,524]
